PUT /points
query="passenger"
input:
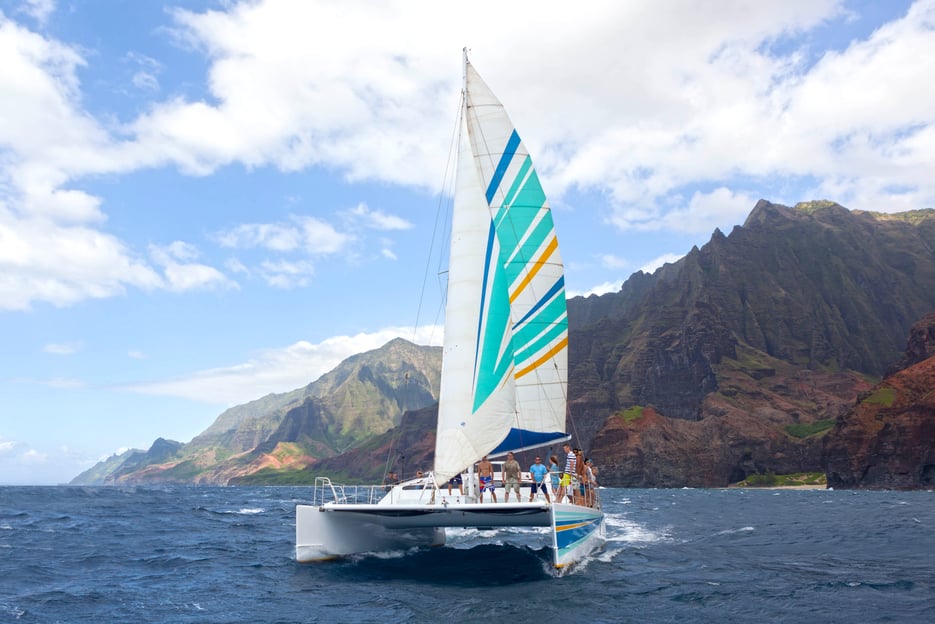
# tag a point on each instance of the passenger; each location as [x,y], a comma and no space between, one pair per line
[555,473]
[390,480]
[538,472]
[590,485]
[456,480]
[485,474]
[580,475]
[511,477]
[567,474]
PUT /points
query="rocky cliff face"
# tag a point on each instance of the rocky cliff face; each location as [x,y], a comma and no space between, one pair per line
[887,441]
[758,340]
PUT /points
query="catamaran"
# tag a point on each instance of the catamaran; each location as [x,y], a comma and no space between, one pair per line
[504,366]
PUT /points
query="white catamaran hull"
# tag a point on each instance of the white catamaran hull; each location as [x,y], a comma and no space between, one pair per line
[335,529]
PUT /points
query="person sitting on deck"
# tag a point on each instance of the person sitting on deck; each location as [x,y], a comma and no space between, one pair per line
[456,480]
[538,472]
[485,474]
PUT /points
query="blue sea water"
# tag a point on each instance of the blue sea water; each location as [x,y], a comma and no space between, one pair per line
[200,554]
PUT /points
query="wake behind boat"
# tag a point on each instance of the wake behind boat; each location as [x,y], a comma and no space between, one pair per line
[504,365]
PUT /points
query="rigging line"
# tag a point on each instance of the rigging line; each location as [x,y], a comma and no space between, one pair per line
[444,192]
[569,418]
[447,183]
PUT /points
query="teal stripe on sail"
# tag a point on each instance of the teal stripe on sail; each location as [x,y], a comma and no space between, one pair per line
[491,365]
[519,182]
[524,201]
[552,322]
[535,340]
[533,243]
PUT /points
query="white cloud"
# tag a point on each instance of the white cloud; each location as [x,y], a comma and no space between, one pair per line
[62,348]
[39,10]
[377,220]
[6,445]
[284,274]
[183,275]
[42,261]
[32,456]
[136,354]
[279,370]
[704,211]
[614,262]
[61,383]
[275,236]
[320,238]
[145,71]
[314,236]
[599,289]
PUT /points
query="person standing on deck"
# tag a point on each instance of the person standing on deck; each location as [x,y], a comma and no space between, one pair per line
[538,472]
[485,474]
[590,483]
[567,474]
[580,476]
[555,474]
[511,477]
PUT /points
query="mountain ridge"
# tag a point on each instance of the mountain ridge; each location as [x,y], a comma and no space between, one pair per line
[735,360]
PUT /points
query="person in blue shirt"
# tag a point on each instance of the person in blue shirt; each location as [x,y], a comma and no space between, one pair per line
[538,471]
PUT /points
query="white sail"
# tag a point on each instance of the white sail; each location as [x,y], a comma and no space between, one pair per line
[504,367]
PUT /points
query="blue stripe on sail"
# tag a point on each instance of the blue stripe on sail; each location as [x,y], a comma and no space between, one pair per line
[523,438]
[483,297]
[558,285]
[505,159]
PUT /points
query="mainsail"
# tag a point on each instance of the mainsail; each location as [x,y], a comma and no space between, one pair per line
[504,366]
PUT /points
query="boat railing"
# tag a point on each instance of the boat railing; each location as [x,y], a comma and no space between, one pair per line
[325,491]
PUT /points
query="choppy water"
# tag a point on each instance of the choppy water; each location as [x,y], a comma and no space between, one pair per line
[75,554]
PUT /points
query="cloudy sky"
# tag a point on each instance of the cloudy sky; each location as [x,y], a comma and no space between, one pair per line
[202,202]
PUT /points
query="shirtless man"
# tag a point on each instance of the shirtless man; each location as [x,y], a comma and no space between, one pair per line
[485,473]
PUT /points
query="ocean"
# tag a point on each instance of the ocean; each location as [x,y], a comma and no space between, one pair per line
[212,554]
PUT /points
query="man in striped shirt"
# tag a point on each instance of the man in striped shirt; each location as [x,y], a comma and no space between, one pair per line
[571,459]
[565,485]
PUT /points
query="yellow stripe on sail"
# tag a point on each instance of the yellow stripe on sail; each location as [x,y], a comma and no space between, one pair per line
[534,268]
[558,347]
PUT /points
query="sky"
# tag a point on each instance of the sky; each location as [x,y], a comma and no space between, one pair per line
[202,202]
